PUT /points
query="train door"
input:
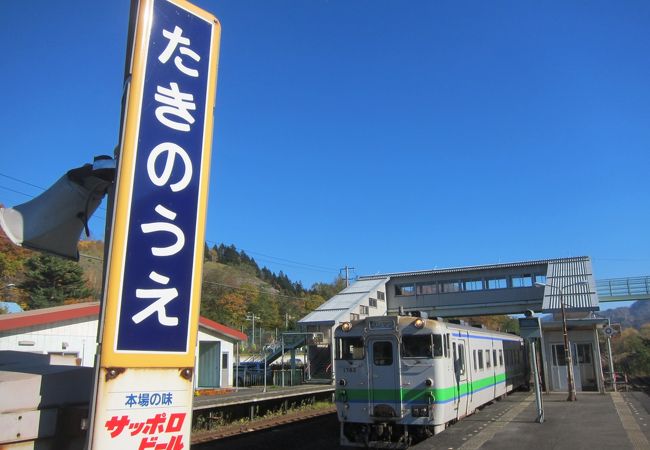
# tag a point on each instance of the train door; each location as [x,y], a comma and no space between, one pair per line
[385,384]
[461,388]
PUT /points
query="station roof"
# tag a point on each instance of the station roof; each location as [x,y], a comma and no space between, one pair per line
[90,310]
[338,307]
[482,267]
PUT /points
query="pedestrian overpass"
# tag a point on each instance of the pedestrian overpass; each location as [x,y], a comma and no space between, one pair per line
[623,289]
[506,288]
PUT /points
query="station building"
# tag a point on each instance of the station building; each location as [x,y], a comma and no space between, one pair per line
[69,334]
[541,286]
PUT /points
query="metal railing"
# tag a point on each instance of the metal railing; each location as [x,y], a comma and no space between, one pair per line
[637,288]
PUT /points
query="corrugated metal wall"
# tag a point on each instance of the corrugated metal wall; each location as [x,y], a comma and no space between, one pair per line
[566,278]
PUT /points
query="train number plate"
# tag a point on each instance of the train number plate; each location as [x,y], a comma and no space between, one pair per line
[381,324]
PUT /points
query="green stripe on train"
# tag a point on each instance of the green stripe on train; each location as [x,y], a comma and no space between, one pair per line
[416,394]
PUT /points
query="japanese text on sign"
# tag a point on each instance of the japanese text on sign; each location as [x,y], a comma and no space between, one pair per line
[155,306]
[158,432]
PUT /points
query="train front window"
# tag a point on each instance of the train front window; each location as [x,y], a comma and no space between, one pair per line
[417,347]
[350,348]
[382,353]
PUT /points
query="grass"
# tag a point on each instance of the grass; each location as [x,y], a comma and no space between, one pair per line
[213,421]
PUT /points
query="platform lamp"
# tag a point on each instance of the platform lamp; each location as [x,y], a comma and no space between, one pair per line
[568,354]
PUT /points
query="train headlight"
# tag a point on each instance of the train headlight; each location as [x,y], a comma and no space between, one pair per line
[342,382]
[429,382]
[346,326]
[419,323]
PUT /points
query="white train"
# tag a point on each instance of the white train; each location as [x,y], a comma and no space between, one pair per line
[401,376]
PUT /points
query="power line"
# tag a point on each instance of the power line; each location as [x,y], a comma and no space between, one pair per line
[21,181]
[274,259]
[287,262]
[38,187]
[255,291]
[96,258]
[16,192]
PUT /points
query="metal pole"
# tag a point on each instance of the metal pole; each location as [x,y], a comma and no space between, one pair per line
[237,369]
[264,350]
[538,391]
[568,354]
[611,363]
[282,361]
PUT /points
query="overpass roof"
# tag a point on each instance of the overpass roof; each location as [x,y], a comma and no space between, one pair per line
[338,308]
[454,270]
[474,291]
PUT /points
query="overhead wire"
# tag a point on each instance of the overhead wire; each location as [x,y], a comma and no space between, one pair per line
[256,291]
[273,259]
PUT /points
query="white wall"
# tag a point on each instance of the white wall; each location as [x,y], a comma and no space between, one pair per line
[80,336]
[226,347]
[72,337]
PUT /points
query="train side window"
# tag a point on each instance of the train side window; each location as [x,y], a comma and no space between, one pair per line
[461,358]
[487,359]
[382,353]
[501,358]
[494,357]
[448,352]
[445,345]
[475,365]
[417,346]
[480,359]
[350,348]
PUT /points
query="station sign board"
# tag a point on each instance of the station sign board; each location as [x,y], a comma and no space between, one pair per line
[150,314]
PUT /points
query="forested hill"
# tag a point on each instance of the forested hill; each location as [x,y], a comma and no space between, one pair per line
[635,316]
[234,286]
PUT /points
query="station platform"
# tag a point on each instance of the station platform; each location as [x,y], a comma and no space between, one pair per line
[615,420]
[248,395]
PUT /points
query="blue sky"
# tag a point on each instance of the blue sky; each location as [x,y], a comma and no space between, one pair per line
[383,135]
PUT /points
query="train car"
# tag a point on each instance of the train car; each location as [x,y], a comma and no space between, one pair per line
[399,376]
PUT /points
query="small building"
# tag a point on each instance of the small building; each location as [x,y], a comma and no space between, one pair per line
[70,333]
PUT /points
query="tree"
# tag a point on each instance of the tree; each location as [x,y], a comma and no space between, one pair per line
[11,259]
[266,306]
[228,308]
[50,281]
[633,351]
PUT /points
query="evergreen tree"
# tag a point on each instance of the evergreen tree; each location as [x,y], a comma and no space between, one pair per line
[50,281]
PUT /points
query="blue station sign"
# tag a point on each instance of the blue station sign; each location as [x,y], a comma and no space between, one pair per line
[158,237]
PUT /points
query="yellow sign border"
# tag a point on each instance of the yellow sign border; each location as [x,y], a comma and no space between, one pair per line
[108,356]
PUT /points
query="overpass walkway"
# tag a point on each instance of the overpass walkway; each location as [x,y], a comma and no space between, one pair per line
[623,289]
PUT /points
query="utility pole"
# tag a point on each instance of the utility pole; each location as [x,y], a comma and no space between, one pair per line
[252,317]
[347,274]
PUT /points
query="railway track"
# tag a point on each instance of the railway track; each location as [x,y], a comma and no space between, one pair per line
[238,429]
